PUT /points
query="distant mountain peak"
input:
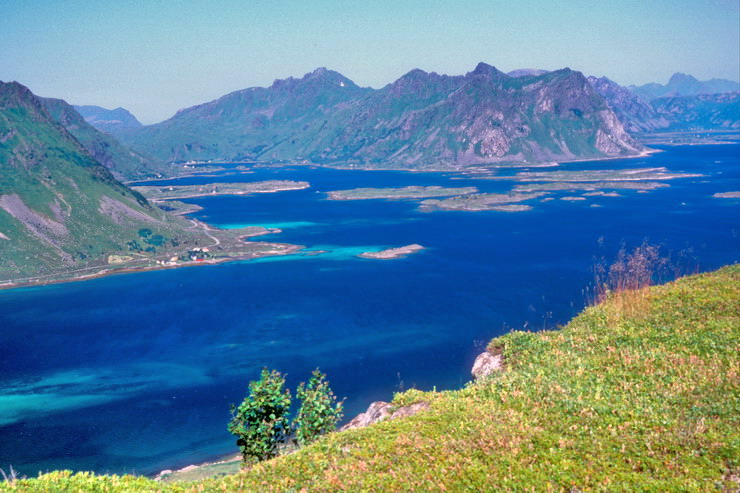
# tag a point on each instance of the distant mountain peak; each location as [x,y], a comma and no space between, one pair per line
[320,75]
[484,69]
[416,72]
[681,78]
[108,121]
[526,72]
[681,84]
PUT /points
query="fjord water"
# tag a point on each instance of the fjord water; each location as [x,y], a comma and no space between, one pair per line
[136,372]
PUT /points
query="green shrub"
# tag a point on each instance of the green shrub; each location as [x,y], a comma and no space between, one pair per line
[319,412]
[261,420]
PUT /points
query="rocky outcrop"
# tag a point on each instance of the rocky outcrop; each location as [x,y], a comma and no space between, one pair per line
[380,411]
[487,364]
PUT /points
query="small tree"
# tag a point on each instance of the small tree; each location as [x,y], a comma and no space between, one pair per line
[261,420]
[319,411]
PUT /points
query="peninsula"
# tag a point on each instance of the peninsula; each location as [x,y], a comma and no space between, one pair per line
[169,192]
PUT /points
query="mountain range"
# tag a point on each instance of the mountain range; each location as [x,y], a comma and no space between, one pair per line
[60,209]
[422,120]
[63,208]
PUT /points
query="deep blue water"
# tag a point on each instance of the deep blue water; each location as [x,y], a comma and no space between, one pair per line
[135,373]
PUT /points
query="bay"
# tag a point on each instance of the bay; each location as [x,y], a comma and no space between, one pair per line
[136,372]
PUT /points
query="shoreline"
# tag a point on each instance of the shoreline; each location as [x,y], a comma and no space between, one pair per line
[107,271]
[157,200]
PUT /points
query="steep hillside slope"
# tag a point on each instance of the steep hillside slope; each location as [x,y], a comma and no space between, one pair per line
[639,393]
[422,120]
[60,209]
[121,161]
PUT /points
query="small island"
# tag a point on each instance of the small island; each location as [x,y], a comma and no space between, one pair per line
[727,195]
[392,253]
[411,192]
[169,192]
[481,202]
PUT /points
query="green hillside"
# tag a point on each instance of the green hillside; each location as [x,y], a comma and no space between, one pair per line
[60,210]
[639,393]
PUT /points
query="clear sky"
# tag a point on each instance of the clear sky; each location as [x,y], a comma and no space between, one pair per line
[154,57]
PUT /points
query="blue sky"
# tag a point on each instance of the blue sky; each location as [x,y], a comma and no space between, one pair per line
[154,57]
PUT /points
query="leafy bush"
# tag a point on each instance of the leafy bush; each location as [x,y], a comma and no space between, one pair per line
[319,412]
[261,420]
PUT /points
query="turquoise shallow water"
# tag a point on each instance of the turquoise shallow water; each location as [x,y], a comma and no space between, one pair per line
[135,373]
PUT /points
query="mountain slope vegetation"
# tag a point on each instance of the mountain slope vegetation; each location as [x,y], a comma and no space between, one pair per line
[637,393]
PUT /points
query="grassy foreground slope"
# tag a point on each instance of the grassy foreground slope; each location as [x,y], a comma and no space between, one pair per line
[637,393]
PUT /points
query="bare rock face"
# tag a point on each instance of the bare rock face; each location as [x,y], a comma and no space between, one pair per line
[380,411]
[486,364]
[409,410]
[377,411]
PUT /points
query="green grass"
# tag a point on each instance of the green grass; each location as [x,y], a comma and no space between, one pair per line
[637,393]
